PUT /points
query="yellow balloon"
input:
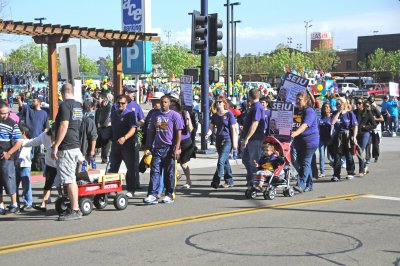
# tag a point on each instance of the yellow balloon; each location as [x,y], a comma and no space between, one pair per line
[319,87]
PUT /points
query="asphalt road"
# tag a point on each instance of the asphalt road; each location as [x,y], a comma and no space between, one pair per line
[346,223]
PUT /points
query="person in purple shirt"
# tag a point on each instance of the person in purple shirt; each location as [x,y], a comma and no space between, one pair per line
[164,141]
[325,137]
[346,126]
[267,113]
[226,141]
[305,141]
[253,134]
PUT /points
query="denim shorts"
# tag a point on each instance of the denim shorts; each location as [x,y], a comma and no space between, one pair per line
[67,163]
[7,178]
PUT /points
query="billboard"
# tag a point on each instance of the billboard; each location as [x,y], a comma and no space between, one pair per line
[321,36]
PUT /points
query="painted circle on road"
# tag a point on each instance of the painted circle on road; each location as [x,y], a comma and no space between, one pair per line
[262,241]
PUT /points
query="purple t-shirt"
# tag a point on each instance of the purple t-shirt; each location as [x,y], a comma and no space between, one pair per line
[345,121]
[310,136]
[134,107]
[165,124]
[325,128]
[185,130]
[255,113]
[223,123]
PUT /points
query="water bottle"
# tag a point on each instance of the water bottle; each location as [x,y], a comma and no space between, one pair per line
[234,155]
[84,166]
[93,162]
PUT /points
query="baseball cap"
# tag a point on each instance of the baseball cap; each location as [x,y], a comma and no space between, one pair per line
[130,88]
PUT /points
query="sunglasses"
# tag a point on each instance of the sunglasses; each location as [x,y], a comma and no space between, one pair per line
[359,103]
[121,103]
[219,101]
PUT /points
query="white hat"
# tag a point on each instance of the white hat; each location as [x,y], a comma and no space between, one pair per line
[157,95]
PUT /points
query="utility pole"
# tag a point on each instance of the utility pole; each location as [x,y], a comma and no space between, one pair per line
[228,39]
[168,34]
[233,40]
[41,45]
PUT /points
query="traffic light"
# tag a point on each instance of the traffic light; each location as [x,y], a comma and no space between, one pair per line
[199,32]
[214,35]
[194,72]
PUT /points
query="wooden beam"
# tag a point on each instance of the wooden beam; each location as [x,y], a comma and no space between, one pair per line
[116,43]
[53,79]
[117,72]
[54,38]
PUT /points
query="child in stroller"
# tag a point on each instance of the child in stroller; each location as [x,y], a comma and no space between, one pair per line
[267,164]
[273,170]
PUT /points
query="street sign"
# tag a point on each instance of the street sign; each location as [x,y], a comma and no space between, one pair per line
[137,59]
[136,18]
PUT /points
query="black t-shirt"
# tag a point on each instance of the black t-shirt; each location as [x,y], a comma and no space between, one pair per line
[70,110]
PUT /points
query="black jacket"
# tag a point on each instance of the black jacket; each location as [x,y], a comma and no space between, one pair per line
[366,120]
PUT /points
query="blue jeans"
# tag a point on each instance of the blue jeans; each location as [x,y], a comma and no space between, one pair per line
[162,162]
[304,157]
[253,151]
[322,147]
[362,140]
[7,177]
[224,170]
[23,175]
[124,153]
[393,123]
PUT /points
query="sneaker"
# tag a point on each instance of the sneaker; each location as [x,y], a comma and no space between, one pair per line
[394,134]
[150,200]
[167,200]
[350,177]
[13,209]
[26,207]
[376,160]
[361,174]
[186,186]
[2,211]
[129,194]
[70,216]
[335,179]
[320,176]
[366,170]
[367,161]
[298,189]
[308,189]
[225,185]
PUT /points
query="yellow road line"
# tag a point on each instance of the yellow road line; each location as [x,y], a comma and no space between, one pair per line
[159,224]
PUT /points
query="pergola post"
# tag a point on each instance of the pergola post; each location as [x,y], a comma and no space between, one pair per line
[117,71]
[53,79]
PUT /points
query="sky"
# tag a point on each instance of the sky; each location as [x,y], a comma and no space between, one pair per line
[264,23]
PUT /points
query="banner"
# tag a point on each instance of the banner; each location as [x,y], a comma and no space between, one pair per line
[292,85]
[281,120]
[187,92]
[394,89]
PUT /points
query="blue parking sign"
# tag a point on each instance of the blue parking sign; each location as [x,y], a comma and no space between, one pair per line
[137,59]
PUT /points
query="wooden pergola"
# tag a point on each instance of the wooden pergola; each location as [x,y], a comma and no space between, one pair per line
[51,34]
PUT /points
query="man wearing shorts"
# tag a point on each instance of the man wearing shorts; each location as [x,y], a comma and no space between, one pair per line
[10,142]
[66,149]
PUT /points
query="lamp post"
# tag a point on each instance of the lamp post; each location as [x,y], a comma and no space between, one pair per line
[234,50]
[228,39]
[41,45]
[307,26]
[233,41]
[289,42]
[298,46]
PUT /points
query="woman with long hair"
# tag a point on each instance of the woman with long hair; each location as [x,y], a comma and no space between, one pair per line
[325,129]
[305,141]
[345,137]
[226,141]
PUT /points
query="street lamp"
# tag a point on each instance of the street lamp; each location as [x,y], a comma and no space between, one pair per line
[289,42]
[307,26]
[41,45]
[298,46]
[234,50]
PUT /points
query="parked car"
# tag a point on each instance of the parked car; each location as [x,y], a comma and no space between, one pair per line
[379,90]
[347,88]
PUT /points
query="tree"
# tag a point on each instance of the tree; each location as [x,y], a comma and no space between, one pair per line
[325,60]
[87,66]
[26,59]
[378,61]
[393,59]
[173,58]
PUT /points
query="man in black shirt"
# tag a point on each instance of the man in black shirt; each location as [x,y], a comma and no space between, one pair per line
[66,149]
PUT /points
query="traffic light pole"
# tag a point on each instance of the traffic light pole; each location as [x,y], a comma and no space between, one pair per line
[228,71]
[205,110]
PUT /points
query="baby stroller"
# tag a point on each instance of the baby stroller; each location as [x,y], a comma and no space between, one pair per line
[281,175]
